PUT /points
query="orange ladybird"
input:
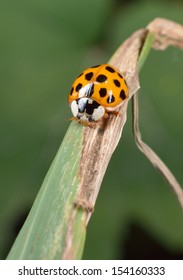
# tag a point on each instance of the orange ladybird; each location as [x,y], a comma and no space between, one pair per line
[96,92]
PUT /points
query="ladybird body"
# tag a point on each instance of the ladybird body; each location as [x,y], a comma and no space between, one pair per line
[96,91]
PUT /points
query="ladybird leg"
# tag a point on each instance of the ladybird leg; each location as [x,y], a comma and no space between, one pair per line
[106,115]
[84,123]
[72,119]
[116,113]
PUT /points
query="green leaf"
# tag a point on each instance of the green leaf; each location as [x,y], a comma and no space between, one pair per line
[44,233]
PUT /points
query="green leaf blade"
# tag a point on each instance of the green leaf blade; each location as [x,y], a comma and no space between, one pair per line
[44,233]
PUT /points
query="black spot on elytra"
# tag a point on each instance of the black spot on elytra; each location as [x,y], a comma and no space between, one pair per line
[111,99]
[120,75]
[101,78]
[78,87]
[122,94]
[110,69]
[72,89]
[88,76]
[117,83]
[103,92]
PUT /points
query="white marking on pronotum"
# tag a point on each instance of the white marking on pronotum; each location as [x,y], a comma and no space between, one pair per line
[98,113]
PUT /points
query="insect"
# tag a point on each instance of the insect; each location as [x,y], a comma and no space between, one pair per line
[96,92]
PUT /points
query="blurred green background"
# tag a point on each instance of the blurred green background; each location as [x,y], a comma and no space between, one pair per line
[44,45]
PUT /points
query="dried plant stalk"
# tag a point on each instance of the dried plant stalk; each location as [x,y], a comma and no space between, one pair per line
[166,33]
[100,143]
[152,156]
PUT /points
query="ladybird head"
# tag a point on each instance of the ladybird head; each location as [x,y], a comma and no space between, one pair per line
[87,110]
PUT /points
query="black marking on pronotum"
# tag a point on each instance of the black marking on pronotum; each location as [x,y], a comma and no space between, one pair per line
[88,76]
[122,94]
[87,106]
[101,78]
[117,83]
[103,92]
[110,69]
[78,87]
[90,107]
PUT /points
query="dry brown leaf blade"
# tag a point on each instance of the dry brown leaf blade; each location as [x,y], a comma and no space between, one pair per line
[100,143]
[167,33]
[152,156]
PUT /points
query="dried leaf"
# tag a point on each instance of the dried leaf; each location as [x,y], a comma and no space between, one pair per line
[167,33]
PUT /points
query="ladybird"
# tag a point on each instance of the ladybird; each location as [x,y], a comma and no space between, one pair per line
[96,92]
